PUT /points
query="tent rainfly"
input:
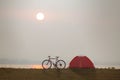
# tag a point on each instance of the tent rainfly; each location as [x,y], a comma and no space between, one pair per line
[81,62]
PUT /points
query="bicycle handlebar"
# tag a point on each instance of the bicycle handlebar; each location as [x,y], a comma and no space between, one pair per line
[53,58]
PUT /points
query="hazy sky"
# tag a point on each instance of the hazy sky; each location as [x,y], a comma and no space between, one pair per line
[70,28]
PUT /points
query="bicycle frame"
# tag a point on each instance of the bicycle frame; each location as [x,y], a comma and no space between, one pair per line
[50,59]
[57,63]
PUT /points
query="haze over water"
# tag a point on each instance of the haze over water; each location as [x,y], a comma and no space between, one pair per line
[39,66]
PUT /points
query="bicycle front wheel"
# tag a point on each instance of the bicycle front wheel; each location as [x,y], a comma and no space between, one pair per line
[60,64]
[46,64]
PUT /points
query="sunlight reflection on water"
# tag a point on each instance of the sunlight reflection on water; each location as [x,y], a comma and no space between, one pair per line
[33,66]
[38,66]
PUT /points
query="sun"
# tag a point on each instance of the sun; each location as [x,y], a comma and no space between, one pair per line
[40,16]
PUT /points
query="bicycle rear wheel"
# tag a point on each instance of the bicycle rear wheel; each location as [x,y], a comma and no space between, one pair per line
[60,64]
[46,64]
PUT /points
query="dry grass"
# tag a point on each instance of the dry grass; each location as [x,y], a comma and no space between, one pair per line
[65,74]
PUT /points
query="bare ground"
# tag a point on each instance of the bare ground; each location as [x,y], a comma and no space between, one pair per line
[55,74]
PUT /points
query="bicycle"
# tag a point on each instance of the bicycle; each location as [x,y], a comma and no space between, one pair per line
[59,64]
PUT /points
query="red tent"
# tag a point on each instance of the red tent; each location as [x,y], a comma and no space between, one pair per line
[81,62]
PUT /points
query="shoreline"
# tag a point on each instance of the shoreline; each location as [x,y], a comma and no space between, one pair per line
[39,66]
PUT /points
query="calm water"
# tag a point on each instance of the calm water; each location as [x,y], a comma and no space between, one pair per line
[37,66]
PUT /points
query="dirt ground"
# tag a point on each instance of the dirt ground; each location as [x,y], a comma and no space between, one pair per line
[55,74]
